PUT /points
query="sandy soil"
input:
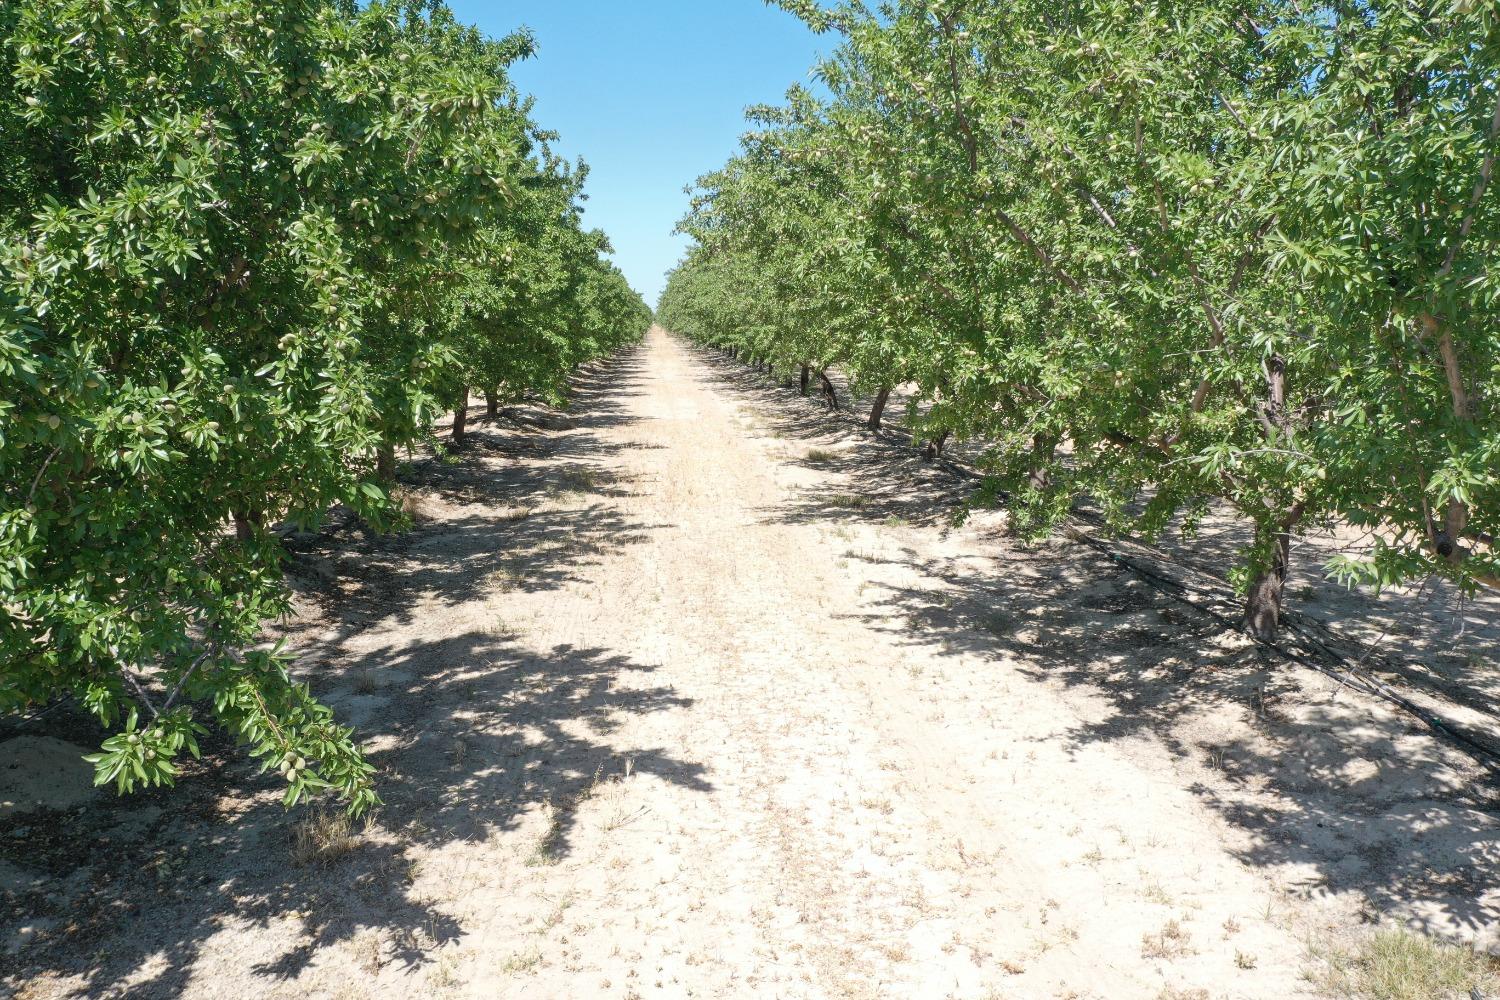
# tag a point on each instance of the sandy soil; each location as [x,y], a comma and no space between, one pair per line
[697,693]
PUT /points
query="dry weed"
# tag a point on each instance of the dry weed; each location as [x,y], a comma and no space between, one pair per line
[1172,941]
[524,960]
[368,951]
[849,501]
[1400,965]
[322,836]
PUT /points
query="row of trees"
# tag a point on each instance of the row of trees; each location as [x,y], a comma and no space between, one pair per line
[246,251]
[1163,255]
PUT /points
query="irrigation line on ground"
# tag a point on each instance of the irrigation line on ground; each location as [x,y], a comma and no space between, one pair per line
[1348,672]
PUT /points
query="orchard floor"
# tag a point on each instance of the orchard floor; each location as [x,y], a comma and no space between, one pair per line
[697,692]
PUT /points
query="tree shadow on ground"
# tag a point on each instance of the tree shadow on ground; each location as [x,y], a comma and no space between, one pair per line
[893,480]
[556,518]
[1427,635]
[1334,797]
[471,734]
[1333,792]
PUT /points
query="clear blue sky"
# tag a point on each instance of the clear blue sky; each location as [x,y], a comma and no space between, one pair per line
[651,94]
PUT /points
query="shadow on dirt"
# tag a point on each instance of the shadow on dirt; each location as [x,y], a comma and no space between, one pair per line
[471,734]
[893,480]
[1333,797]
[1330,795]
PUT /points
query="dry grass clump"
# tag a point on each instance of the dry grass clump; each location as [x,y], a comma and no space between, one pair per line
[820,456]
[579,480]
[1172,941]
[525,960]
[368,951]
[1183,993]
[1400,965]
[416,505]
[322,836]
[850,501]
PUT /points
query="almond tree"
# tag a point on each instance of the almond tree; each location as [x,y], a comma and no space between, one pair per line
[227,232]
[1160,258]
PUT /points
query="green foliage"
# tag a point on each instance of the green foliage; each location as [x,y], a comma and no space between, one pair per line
[1398,964]
[1158,255]
[244,249]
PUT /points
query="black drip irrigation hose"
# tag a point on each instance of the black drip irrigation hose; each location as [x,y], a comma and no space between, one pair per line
[1347,673]
[1338,666]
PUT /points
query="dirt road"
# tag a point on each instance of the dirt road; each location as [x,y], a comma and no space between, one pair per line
[695,697]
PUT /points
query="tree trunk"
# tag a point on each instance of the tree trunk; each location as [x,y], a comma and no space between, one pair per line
[877,409]
[935,446]
[806,378]
[492,403]
[385,463]
[1263,603]
[461,418]
[829,396]
[245,523]
[1043,447]
[1448,537]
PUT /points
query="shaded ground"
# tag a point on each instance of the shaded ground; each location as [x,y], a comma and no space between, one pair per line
[697,693]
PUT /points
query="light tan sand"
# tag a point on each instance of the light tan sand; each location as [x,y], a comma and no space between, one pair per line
[669,705]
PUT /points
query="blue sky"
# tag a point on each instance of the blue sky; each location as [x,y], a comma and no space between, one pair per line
[651,94]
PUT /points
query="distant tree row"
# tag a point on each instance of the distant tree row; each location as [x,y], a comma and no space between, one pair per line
[1164,256]
[246,251]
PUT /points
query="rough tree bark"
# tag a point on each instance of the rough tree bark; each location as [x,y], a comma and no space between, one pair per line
[1447,537]
[461,418]
[934,447]
[806,379]
[245,524]
[1263,603]
[491,403]
[877,409]
[829,395]
[385,463]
